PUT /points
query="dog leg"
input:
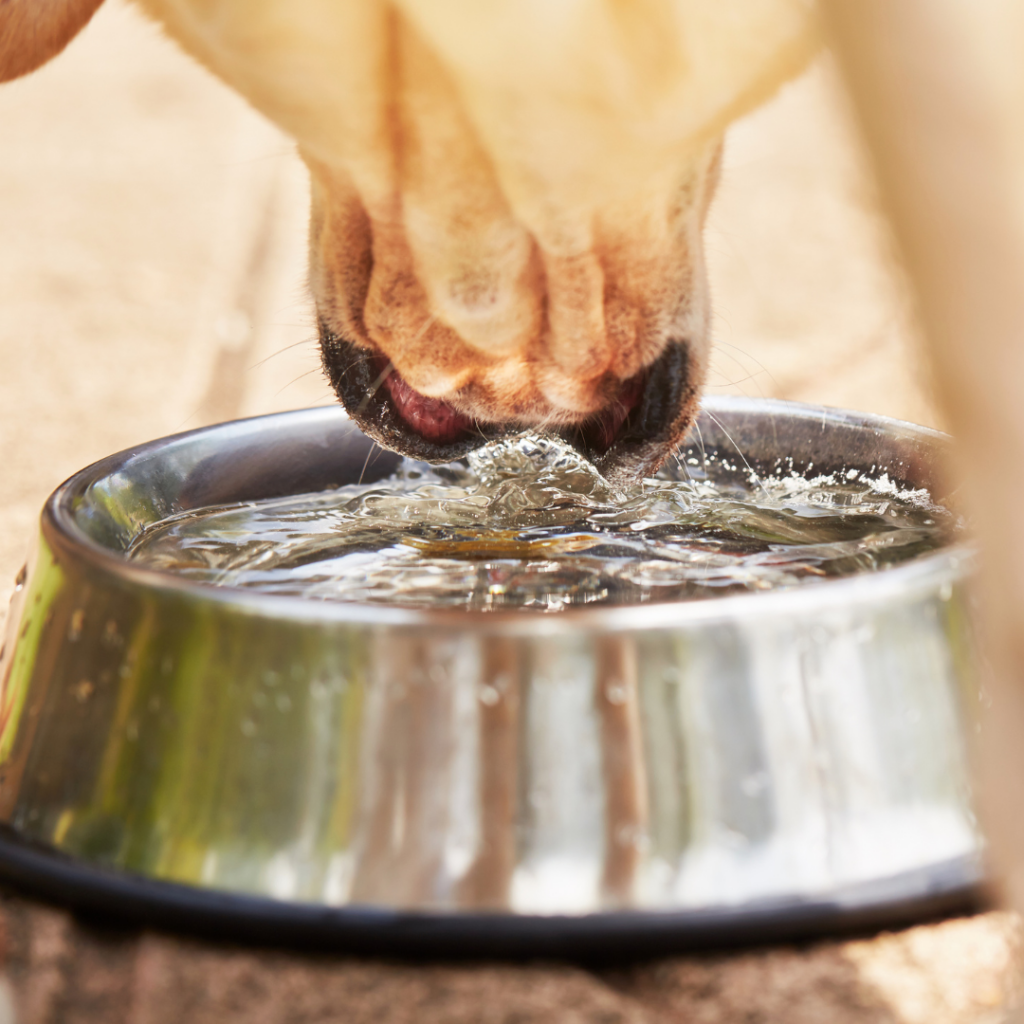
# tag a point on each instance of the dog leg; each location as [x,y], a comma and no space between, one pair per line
[32,32]
[940,91]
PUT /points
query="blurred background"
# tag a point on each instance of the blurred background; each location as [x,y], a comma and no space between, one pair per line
[152,263]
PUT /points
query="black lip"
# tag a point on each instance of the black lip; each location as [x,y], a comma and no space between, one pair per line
[355,376]
[659,421]
[651,431]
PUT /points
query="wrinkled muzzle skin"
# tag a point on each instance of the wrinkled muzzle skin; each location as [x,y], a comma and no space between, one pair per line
[607,346]
[508,200]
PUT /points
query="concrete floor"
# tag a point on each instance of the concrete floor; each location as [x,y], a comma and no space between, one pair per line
[134,193]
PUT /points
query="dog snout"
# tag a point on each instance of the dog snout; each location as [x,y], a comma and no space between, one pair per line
[567,337]
[629,436]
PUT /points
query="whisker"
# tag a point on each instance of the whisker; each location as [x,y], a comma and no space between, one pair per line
[700,442]
[375,387]
[281,351]
[747,355]
[318,403]
[753,473]
[737,383]
[686,470]
[366,461]
[547,424]
[181,426]
[389,369]
[316,369]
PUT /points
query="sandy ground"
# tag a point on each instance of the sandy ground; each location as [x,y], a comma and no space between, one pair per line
[152,280]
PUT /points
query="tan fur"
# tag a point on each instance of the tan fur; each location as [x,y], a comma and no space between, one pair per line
[33,31]
[940,91]
[508,194]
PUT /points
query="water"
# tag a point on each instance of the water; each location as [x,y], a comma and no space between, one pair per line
[528,523]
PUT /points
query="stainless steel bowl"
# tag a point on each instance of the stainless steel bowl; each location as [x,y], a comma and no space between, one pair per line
[493,782]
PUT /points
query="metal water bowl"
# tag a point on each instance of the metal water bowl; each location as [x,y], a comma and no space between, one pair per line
[627,778]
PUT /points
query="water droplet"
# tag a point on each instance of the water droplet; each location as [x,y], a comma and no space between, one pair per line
[489,695]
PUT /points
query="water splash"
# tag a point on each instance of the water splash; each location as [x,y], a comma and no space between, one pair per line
[528,523]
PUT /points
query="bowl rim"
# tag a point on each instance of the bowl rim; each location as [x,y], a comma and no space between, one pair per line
[62,531]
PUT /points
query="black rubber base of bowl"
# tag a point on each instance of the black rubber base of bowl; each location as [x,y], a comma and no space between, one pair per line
[942,890]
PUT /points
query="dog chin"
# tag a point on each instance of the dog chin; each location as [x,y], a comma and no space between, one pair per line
[630,438]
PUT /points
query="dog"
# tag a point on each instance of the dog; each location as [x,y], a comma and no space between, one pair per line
[507,207]
[507,197]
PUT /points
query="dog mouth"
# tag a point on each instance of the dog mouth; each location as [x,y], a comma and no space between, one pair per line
[432,419]
[438,422]
[630,437]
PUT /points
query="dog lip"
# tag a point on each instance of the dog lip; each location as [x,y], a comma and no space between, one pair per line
[599,432]
[357,375]
[630,439]
[658,420]
[431,418]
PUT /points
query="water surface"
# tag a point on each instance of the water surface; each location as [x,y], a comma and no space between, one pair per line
[528,523]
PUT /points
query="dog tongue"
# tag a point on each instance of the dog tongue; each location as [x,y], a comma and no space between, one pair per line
[431,418]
